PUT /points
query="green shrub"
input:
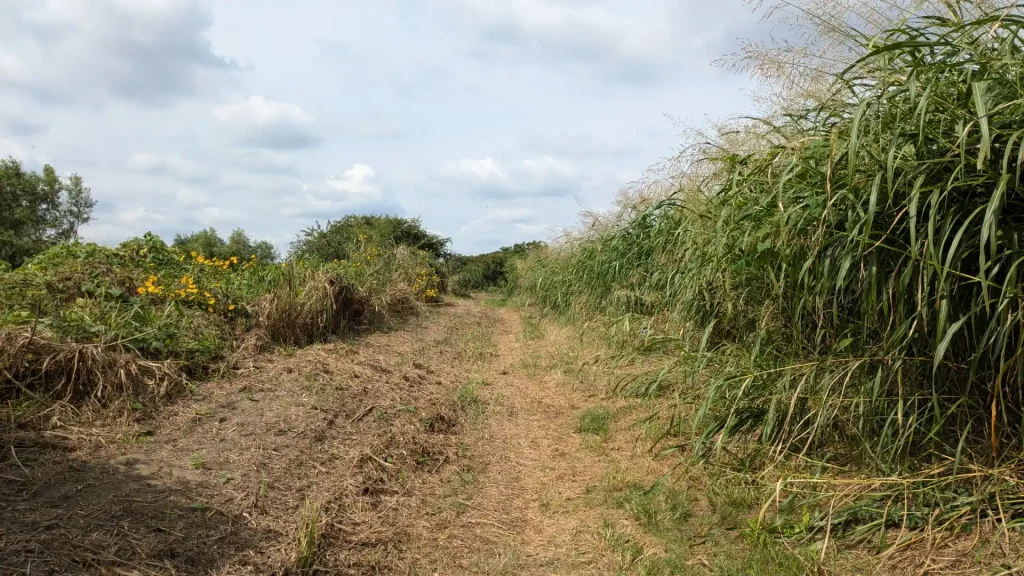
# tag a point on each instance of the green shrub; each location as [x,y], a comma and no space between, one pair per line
[491,270]
[336,240]
[211,245]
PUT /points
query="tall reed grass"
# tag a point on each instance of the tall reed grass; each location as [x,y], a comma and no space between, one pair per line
[849,292]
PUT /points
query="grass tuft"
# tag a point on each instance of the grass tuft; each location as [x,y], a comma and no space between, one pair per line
[595,420]
[307,547]
[469,401]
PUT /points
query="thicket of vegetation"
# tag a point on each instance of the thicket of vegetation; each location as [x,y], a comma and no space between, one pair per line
[836,287]
[211,245]
[490,270]
[335,240]
[128,323]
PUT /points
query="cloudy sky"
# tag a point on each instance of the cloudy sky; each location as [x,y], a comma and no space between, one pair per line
[492,120]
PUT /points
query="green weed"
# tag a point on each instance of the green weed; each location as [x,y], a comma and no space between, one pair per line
[595,420]
[532,328]
[469,400]
[660,509]
[307,548]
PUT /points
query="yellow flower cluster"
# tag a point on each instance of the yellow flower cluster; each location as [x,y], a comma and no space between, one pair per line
[217,262]
[188,290]
[150,287]
[427,285]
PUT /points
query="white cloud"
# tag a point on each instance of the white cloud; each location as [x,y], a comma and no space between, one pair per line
[356,181]
[583,36]
[483,168]
[503,225]
[146,51]
[9,147]
[259,122]
[547,166]
[191,197]
[533,230]
[511,214]
[533,177]
[354,191]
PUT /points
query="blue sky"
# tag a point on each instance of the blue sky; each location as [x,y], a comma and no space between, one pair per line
[493,121]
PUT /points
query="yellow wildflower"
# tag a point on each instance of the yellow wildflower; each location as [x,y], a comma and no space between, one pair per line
[231,306]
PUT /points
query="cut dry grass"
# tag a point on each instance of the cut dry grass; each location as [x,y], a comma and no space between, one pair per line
[325,306]
[469,401]
[34,363]
[217,482]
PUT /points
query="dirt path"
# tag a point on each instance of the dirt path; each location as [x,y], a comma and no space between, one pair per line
[446,447]
[528,496]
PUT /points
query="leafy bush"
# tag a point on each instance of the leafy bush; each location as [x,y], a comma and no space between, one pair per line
[490,270]
[145,302]
[335,240]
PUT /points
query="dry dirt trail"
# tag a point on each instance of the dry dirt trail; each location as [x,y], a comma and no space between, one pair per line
[528,495]
[448,446]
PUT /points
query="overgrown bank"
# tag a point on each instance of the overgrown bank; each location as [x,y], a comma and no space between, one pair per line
[132,322]
[835,292]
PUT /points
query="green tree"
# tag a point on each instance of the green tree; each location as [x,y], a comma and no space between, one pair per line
[38,210]
[334,241]
[208,243]
[240,245]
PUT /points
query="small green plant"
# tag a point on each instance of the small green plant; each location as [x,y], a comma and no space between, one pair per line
[731,501]
[197,461]
[532,328]
[595,420]
[623,544]
[661,509]
[307,550]
[764,557]
[469,401]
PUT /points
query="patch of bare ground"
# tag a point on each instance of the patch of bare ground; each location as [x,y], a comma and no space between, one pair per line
[315,460]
